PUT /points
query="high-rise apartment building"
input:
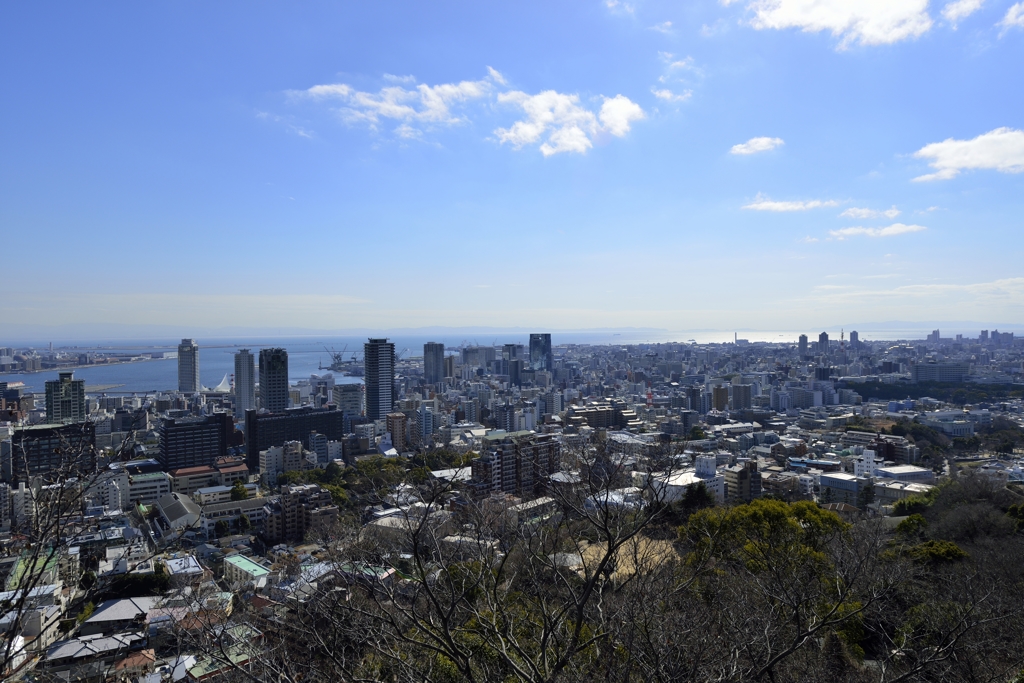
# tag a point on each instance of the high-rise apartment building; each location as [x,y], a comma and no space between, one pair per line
[397,426]
[379,377]
[433,363]
[854,340]
[823,343]
[742,396]
[540,352]
[516,464]
[803,345]
[65,399]
[188,366]
[720,398]
[742,483]
[274,379]
[449,366]
[245,382]
[299,508]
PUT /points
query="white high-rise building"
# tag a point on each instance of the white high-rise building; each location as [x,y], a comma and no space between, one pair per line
[23,506]
[245,382]
[188,366]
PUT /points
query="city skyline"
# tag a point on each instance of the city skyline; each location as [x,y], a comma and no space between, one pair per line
[854,161]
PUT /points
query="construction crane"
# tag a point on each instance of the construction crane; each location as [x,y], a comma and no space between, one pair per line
[337,359]
[402,353]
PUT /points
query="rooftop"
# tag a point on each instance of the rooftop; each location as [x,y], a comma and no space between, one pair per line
[247,565]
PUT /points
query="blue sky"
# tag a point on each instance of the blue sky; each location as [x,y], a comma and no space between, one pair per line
[774,164]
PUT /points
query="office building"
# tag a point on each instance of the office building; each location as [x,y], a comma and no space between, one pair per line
[823,343]
[265,430]
[5,507]
[433,363]
[540,352]
[349,400]
[194,441]
[515,372]
[188,367]
[840,487]
[379,377]
[273,379]
[428,421]
[50,451]
[854,340]
[449,366]
[245,382]
[803,345]
[65,399]
[940,372]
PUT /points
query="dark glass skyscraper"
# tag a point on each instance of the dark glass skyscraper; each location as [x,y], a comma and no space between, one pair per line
[274,379]
[540,352]
[379,369]
[188,367]
[245,383]
[433,362]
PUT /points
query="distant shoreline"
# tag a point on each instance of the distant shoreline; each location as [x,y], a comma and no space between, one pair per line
[83,367]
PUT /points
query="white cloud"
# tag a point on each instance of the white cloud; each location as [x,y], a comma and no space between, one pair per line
[429,104]
[870,213]
[755,145]
[669,96]
[763,203]
[558,121]
[663,27]
[1001,149]
[809,240]
[1014,17]
[618,113]
[960,9]
[291,127]
[567,125]
[888,231]
[672,63]
[618,6]
[496,76]
[867,22]
[407,80]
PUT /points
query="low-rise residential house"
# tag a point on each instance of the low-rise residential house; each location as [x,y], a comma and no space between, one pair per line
[115,616]
[240,570]
[89,657]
